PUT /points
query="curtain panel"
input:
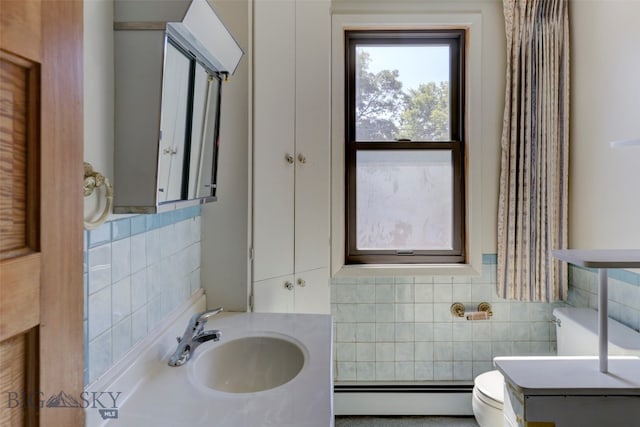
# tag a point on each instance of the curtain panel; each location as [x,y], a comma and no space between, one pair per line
[533,200]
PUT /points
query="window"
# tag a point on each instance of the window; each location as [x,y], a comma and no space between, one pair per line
[404,147]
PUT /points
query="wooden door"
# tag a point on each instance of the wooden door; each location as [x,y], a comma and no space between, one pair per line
[41,292]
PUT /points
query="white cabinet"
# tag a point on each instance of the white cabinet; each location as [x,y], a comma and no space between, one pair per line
[291,142]
[304,292]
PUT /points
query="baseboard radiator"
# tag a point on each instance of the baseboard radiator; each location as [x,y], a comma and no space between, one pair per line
[361,399]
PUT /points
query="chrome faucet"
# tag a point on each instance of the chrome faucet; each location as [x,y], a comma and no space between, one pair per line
[193,336]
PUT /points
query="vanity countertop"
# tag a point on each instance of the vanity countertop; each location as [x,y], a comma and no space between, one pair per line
[169,397]
[572,375]
[600,258]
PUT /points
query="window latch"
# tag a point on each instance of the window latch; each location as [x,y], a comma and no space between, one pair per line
[406,252]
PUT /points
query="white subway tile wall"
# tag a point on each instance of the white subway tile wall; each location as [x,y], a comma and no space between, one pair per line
[401,329]
[137,270]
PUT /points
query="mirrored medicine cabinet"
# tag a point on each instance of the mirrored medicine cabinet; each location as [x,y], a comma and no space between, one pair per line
[171,60]
[189,124]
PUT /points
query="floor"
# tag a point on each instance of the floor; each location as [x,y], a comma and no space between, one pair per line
[405,421]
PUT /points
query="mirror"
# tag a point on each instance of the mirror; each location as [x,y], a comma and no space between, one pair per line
[205,131]
[187,155]
[173,124]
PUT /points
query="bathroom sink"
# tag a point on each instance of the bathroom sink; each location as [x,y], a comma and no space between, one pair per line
[249,364]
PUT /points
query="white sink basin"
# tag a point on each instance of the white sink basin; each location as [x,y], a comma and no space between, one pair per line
[249,364]
[218,386]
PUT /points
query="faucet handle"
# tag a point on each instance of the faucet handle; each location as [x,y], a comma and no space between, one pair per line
[206,314]
[201,319]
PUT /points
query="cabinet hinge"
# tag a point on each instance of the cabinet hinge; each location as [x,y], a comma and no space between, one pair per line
[251,302]
[251,253]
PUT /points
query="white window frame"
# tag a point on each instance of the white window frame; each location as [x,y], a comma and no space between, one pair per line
[472,22]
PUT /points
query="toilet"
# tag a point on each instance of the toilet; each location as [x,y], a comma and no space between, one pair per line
[577,334]
[488,399]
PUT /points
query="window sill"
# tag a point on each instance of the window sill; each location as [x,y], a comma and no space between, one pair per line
[392,270]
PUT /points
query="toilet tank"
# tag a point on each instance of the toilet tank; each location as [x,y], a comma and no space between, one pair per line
[577,333]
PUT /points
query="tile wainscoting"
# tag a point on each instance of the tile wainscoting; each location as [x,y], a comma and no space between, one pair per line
[401,329]
[136,270]
[624,293]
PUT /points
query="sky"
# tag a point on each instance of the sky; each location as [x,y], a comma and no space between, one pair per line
[416,64]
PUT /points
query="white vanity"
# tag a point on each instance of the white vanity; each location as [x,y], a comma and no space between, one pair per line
[268,369]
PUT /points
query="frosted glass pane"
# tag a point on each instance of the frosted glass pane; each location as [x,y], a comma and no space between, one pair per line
[404,200]
[402,91]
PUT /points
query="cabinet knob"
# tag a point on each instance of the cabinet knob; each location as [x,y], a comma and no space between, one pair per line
[288,286]
[302,283]
[289,158]
[302,159]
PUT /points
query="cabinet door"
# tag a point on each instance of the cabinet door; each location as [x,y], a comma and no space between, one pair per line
[313,126]
[312,291]
[273,138]
[173,121]
[274,295]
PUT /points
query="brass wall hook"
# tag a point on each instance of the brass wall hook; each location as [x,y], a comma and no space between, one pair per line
[457,309]
[92,181]
[486,307]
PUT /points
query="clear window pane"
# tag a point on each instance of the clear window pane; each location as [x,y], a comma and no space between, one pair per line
[404,200]
[402,92]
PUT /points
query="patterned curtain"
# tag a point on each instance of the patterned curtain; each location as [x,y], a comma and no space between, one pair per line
[532,212]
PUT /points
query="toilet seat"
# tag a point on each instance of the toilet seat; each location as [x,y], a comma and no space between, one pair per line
[489,388]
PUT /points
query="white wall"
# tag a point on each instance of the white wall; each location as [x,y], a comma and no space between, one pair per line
[98,92]
[605,61]
[494,64]
[225,222]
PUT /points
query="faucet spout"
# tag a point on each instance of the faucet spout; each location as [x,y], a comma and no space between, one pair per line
[193,336]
